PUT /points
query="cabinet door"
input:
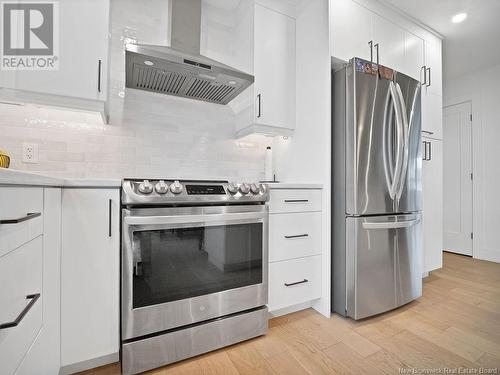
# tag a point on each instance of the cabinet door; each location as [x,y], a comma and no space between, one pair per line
[414,56]
[351,30]
[391,43]
[90,284]
[432,115]
[274,68]
[432,204]
[433,60]
[83,54]
[44,356]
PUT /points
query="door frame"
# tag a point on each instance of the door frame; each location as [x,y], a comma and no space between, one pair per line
[473,169]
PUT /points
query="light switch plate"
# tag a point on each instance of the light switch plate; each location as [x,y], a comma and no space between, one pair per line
[30,153]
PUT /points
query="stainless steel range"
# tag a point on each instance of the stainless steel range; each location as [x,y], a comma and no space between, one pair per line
[194,268]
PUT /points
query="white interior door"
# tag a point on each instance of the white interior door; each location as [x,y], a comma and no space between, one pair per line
[457,143]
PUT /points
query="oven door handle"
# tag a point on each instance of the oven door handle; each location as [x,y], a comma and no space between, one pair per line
[186,219]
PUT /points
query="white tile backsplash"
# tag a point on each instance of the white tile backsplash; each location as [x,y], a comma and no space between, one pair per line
[148,135]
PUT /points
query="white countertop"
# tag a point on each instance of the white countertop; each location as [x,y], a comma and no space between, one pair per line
[23,178]
[293,185]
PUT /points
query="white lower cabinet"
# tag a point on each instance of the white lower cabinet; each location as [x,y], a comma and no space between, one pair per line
[90,283]
[432,178]
[294,248]
[294,281]
[30,230]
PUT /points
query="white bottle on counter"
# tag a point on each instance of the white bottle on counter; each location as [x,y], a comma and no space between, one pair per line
[268,169]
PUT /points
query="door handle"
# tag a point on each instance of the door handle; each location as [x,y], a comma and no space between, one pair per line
[429,83]
[424,69]
[391,224]
[377,47]
[370,43]
[297,282]
[99,66]
[259,105]
[296,200]
[29,216]
[110,212]
[33,298]
[297,236]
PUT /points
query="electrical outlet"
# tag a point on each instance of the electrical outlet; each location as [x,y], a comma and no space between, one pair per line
[30,153]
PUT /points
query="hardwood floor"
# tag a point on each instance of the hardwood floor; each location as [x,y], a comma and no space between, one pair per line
[455,324]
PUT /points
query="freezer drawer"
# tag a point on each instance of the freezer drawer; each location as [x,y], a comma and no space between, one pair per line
[383,259]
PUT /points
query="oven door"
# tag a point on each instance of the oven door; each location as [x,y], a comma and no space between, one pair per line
[184,265]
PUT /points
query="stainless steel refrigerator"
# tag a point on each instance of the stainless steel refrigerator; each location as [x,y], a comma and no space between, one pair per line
[376,197]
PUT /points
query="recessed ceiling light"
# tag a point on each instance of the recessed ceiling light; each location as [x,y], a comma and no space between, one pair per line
[460,17]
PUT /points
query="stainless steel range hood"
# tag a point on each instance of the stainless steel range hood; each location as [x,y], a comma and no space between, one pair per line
[180,70]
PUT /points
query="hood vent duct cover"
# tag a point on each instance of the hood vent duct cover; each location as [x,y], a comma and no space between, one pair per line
[180,71]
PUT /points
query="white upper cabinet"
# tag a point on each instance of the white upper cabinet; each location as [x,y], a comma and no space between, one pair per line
[388,44]
[274,64]
[83,35]
[351,30]
[357,31]
[414,52]
[433,65]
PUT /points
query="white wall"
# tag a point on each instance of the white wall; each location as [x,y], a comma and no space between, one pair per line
[149,134]
[483,90]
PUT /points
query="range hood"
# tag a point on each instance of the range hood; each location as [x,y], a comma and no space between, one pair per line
[181,70]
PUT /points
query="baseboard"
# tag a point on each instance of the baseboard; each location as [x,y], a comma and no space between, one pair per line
[290,309]
[89,364]
[487,254]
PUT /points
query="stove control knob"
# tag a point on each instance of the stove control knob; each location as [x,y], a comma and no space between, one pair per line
[161,187]
[244,188]
[146,187]
[254,188]
[176,187]
[263,188]
[232,188]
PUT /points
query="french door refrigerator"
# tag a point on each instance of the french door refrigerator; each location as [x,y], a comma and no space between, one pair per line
[376,223]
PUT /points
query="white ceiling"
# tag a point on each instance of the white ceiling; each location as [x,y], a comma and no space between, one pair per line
[468,46]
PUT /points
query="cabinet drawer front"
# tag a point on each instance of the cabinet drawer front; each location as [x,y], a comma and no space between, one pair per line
[294,235]
[294,200]
[294,281]
[19,219]
[20,276]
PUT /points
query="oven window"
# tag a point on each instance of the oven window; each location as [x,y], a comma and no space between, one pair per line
[175,264]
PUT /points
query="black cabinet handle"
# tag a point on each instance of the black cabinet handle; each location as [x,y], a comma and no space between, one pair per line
[424,68]
[427,132]
[377,47]
[110,208]
[33,298]
[298,236]
[296,200]
[259,101]
[370,43]
[297,282]
[430,151]
[425,151]
[429,75]
[29,216]
[99,76]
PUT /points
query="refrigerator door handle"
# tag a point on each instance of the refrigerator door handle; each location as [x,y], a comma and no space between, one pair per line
[405,128]
[390,224]
[399,137]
